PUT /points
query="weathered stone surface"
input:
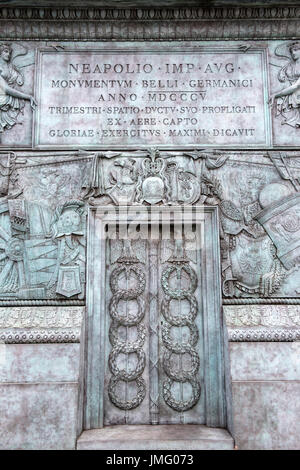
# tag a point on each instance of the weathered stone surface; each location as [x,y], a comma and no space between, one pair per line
[22,363]
[172,437]
[266,414]
[38,416]
[228,136]
[265,361]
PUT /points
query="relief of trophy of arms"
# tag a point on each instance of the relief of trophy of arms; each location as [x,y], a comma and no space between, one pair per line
[11,99]
[288,99]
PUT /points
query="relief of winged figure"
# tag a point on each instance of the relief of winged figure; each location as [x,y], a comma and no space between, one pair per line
[11,77]
[287,99]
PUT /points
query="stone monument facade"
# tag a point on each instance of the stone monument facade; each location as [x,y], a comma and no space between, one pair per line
[149,225]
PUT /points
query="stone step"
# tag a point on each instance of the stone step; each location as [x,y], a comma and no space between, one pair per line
[162,437]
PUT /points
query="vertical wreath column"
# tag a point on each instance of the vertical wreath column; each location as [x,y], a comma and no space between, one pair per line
[173,347]
[128,265]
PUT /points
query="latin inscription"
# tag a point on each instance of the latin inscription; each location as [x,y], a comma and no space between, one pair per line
[141,98]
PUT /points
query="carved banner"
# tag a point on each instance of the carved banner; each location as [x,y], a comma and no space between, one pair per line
[129,98]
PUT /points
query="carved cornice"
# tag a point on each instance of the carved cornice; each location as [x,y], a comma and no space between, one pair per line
[190,23]
[150,14]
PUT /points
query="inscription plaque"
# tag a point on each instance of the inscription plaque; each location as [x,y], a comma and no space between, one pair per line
[129,98]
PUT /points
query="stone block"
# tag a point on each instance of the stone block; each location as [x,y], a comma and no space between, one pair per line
[266,415]
[265,361]
[38,416]
[161,437]
[39,363]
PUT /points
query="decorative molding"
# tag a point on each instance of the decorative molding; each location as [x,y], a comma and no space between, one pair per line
[263,322]
[21,336]
[262,315]
[149,14]
[251,334]
[139,24]
[262,301]
[45,317]
[23,303]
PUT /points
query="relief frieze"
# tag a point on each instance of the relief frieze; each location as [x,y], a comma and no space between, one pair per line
[40,324]
[41,317]
[262,315]
[263,322]
[252,262]
[45,200]
[42,251]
